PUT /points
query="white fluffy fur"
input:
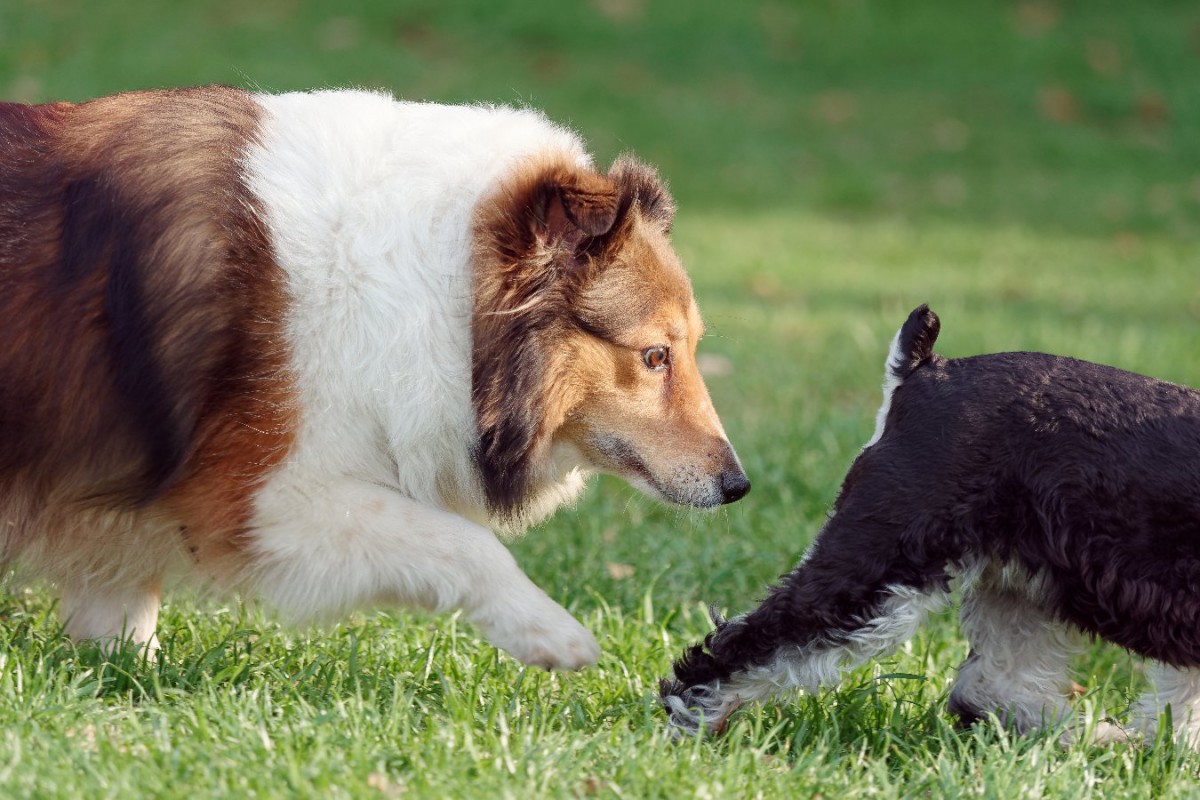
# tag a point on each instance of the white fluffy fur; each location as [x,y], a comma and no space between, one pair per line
[369,204]
[1020,653]
[1174,689]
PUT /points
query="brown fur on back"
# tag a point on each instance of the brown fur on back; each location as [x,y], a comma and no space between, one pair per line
[141,355]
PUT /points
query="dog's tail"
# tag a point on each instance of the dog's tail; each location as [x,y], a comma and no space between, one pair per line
[914,342]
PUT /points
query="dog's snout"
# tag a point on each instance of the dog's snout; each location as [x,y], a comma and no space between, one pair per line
[734,485]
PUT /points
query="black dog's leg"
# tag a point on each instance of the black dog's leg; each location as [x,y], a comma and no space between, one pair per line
[862,590]
[1020,653]
[1176,689]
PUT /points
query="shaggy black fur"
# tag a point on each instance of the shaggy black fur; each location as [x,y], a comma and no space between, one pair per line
[1084,475]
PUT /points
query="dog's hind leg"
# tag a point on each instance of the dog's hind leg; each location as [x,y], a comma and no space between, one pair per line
[1020,654]
[1176,691]
[109,575]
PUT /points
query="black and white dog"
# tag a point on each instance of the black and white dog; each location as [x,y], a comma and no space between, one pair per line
[1064,494]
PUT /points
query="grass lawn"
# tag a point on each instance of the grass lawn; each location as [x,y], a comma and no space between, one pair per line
[1031,169]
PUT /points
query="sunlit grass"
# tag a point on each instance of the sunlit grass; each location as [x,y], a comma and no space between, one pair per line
[1032,170]
[394,702]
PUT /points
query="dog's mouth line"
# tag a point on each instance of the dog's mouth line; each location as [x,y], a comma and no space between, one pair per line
[625,459]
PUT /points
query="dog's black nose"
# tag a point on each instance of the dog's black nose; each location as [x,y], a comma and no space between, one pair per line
[734,486]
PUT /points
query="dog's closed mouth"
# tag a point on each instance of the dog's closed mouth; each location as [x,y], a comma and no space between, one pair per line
[624,458]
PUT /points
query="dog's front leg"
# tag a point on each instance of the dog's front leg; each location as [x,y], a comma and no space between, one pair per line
[111,616]
[320,553]
[857,595]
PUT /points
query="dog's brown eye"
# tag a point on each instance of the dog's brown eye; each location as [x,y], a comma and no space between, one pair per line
[656,358]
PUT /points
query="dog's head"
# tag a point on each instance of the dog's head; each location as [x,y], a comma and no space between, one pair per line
[585,334]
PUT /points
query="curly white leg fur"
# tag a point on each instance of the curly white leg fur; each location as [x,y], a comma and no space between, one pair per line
[1177,691]
[810,667]
[1020,654]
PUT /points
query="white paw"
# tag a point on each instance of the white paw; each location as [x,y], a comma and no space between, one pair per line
[1100,734]
[552,640]
[693,709]
[113,620]
[1111,733]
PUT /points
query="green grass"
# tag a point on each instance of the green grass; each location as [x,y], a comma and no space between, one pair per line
[1030,169]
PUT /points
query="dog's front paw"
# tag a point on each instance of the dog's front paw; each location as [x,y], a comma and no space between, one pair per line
[551,640]
[692,709]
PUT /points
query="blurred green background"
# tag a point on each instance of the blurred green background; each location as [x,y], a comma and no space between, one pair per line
[1030,168]
[1079,116]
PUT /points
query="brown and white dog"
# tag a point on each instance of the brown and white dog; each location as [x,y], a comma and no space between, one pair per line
[319,346]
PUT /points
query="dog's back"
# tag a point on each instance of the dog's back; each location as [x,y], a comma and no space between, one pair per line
[139,317]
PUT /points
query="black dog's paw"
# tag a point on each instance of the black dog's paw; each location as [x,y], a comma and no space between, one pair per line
[695,708]
[694,700]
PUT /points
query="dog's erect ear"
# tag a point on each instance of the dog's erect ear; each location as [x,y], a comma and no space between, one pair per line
[572,206]
[640,185]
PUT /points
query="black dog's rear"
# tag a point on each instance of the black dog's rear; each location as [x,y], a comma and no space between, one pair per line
[1065,494]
